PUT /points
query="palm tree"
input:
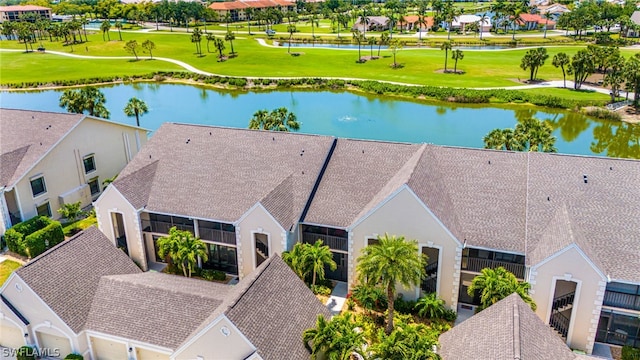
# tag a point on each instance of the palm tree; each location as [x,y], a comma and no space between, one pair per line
[392,261]
[535,135]
[136,107]
[260,120]
[249,14]
[70,100]
[562,60]
[319,256]
[336,339]
[118,25]
[384,40]
[277,120]
[446,46]
[359,38]
[483,19]
[189,250]
[364,20]
[210,37]
[105,26]
[430,306]
[456,55]
[168,245]
[421,21]
[219,45]
[229,36]
[297,260]
[546,16]
[196,38]
[291,29]
[496,284]
[371,41]
[88,99]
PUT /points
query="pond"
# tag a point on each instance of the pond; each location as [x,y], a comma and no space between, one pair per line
[352,115]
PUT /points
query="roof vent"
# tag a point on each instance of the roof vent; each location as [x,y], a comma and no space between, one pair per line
[363,151]
[302,172]
[273,138]
[584,178]
[40,143]
[489,162]
[32,117]
[188,140]
[548,198]
[149,156]
[610,167]
[209,133]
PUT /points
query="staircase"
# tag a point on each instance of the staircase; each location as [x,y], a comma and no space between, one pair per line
[558,321]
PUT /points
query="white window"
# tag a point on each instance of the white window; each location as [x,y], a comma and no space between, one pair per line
[38,187]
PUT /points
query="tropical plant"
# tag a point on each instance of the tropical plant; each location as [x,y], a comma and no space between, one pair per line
[431,306]
[118,25]
[132,47]
[391,261]
[496,284]
[562,61]
[277,120]
[409,341]
[297,260]
[369,297]
[384,40]
[149,46]
[71,211]
[219,45]
[632,76]
[105,26]
[291,28]
[230,36]
[183,249]
[582,65]
[394,47]
[446,46]
[533,59]
[88,99]
[319,256]
[136,107]
[501,139]
[358,36]
[337,339]
[484,19]
[456,55]
[196,38]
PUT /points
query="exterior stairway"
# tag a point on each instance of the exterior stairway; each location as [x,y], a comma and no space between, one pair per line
[558,321]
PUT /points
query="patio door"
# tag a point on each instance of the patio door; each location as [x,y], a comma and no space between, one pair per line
[119,232]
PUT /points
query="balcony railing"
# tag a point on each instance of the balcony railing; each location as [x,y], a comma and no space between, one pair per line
[221,236]
[334,242]
[621,300]
[162,227]
[476,265]
[560,323]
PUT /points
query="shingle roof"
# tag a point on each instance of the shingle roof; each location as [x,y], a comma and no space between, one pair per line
[23,8]
[357,172]
[66,276]
[220,173]
[286,308]
[635,17]
[153,308]
[26,136]
[507,330]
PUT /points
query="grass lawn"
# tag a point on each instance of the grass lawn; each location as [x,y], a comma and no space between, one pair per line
[571,94]
[6,268]
[70,229]
[421,66]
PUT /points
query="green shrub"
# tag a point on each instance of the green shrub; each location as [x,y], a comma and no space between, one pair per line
[404,306]
[34,236]
[604,114]
[321,290]
[71,211]
[74,357]
[26,353]
[212,275]
[450,315]
[14,241]
[630,353]
[369,297]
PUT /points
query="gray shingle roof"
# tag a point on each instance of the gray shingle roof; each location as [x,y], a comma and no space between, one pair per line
[635,17]
[26,136]
[274,310]
[507,330]
[219,173]
[153,308]
[66,277]
[357,172]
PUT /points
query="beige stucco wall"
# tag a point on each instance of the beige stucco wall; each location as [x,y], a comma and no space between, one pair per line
[213,345]
[63,168]
[104,349]
[257,220]
[146,354]
[404,215]
[41,318]
[112,201]
[571,266]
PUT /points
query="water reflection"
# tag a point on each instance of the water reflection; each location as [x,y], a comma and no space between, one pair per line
[617,140]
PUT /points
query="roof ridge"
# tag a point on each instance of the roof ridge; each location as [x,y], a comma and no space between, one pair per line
[123,278]
[248,130]
[58,246]
[252,280]
[516,332]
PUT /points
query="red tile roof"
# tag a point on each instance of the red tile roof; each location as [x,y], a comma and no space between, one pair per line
[23,8]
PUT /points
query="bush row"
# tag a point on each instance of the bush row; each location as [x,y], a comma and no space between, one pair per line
[457,95]
[35,236]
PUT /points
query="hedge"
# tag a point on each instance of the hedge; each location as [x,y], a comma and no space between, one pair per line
[74,357]
[34,236]
[630,353]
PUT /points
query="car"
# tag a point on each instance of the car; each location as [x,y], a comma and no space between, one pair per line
[270,32]
[41,49]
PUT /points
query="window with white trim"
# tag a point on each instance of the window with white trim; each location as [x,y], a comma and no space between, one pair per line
[94,186]
[89,162]
[38,187]
[44,209]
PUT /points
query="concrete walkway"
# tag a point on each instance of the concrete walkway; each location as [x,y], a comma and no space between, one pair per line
[338,298]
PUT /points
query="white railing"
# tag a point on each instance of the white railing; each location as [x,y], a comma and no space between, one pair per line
[619,105]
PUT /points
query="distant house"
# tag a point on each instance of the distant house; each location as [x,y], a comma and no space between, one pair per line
[236,9]
[534,22]
[51,159]
[14,12]
[635,31]
[555,10]
[463,21]
[411,23]
[508,329]
[375,23]
[101,305]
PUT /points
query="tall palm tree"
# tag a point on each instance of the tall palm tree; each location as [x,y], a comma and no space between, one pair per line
[392,261]
[384,40]
[219,45]
[88,99]
[496,284]
[249,15]
[483,19]
[136,107]
[189,250]
[277,120]
[319,256]
[297,260]
[546,16]
[337,339]
[456,55]
[196,38]
[421,21]
[446,46]
[118,25]
[229,36]
[105,26]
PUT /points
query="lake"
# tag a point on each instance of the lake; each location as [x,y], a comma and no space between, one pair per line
[346,114]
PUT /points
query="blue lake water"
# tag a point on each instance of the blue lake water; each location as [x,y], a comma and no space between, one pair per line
[352,115]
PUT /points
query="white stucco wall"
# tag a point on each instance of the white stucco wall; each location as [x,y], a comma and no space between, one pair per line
[257,220]
[571,265]
[213,344]
[405,215]
[63,168]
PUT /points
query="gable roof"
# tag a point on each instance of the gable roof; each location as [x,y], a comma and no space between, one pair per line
[26,137]
[153,308]
[635,17]
[23,8]
[220,173]
[66,276]
[506,330]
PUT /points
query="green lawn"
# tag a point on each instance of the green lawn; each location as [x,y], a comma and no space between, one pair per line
[6,268]
[571,94]
[482,68]
[70,229]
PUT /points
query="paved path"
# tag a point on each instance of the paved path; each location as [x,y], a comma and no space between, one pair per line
[338,298]
[546,84]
